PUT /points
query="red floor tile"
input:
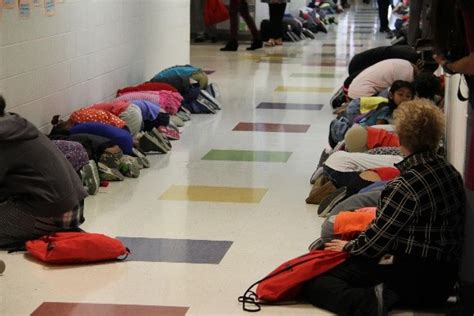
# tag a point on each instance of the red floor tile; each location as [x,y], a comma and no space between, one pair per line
[84,309]
[271,127]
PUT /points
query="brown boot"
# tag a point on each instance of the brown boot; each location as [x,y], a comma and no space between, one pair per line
[318,193]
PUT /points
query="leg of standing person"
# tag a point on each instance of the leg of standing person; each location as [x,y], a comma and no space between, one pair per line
[416,8]
[278,31]
[273,22]
[244,12]
[197,20]
[232,44]
[383,14]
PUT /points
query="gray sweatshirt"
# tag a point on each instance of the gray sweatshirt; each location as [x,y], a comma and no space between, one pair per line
[33,172]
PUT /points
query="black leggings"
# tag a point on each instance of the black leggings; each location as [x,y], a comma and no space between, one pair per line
[383,12]
[348,289]
[277,10]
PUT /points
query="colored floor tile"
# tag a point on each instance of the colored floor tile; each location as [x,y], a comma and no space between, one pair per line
[316,75]
[304,89]
[290,106]
[247,155]
[176,250]
[214,194]
[85,309]
[271,127]
[326,64]
[348,45]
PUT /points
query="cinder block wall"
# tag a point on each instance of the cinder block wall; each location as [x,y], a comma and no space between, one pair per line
[89,49]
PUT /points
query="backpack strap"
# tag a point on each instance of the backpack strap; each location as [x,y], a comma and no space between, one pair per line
[250,297]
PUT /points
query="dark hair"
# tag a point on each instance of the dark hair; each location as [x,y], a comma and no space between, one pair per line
[427,85]
[400,84]
[448,28]
[3,105]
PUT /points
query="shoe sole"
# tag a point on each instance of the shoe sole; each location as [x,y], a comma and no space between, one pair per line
[211,99]
[91,177]
[116,174]
[316,196]
[162,138]
[332,200]
[149,143]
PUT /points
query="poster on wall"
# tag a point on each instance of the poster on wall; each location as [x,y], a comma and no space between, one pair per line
[49,7]
[37,3]
[9,4]
[24,8]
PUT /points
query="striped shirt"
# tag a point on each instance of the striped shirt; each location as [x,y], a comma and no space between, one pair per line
[420,213]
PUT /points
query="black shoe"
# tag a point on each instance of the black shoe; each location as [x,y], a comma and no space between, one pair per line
[384,30]
[200,39]
[256,44]
[231,46]
[326,205]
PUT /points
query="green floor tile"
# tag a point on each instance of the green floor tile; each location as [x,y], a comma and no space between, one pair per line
[247,155]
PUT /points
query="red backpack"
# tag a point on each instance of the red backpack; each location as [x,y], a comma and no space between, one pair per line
[67,248]
[284,283]
[215,12]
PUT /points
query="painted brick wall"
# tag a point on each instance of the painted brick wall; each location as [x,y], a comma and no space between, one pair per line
[89,49]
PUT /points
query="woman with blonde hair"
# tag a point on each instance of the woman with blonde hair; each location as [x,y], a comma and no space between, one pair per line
[419,222]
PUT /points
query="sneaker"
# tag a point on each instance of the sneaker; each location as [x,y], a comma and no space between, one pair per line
[318,244]
[129,166]
[175,119]
[109,174]
[231,46]
[141,158]
[256,44]
[150,143]
[319,193]
[169,133]
[200,38]
[111,160]
[324,156]
[90,177]
[162,138]
[213,89]
[211,99]
[331,200]
[182,115]
[208,106]
[316,174]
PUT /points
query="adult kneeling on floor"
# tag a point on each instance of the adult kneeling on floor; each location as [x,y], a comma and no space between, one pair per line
[40,192]
[419,220]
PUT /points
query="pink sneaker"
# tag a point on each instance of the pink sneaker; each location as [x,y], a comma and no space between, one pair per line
[169,132]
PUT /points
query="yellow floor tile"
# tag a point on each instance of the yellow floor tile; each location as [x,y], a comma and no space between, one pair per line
[214,194]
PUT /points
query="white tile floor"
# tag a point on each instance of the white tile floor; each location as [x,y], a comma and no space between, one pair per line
[264,235]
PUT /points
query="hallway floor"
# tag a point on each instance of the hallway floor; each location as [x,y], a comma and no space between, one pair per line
[225,206]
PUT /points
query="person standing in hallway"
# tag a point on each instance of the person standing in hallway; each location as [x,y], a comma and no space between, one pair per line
[198,28]
[383,15]
[235,7]
[277,10]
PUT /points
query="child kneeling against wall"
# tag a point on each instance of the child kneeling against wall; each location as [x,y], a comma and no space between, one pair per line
[40,192]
